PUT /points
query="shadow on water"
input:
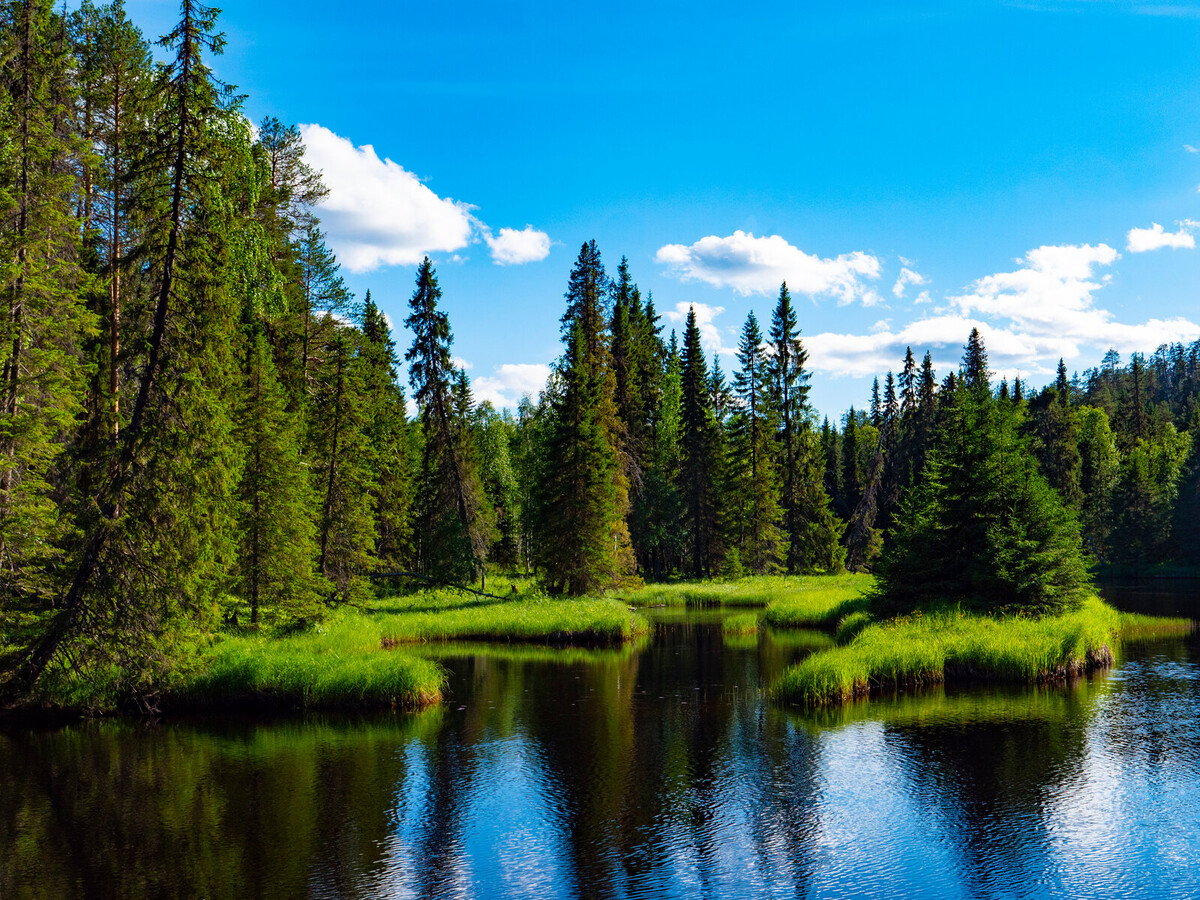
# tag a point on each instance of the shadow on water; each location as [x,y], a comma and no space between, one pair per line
[658,770]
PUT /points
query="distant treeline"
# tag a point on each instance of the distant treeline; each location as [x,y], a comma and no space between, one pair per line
[199,424]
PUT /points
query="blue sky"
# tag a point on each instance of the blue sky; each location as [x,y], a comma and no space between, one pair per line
[1013,158]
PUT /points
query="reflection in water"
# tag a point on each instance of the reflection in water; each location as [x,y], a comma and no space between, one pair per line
[656,771]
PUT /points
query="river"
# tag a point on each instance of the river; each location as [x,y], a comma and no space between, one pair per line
[659,770]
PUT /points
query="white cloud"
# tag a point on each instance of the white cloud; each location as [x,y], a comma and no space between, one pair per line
[459,363]
[710,334]
[907,276]
[511,382]
[513,248]
[758,265]
[1029,317]
[378,213]
[1190,149]
[1141,240]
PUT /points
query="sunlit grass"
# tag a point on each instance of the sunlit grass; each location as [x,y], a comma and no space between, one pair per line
[341,662]
[451,615]
[740,623]
[759,590]
[819,602]
[926,649]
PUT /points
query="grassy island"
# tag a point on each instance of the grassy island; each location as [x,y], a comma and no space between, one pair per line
[950,644]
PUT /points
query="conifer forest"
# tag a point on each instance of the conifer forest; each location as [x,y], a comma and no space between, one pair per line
[201,427]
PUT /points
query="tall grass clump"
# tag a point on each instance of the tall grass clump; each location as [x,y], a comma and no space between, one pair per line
[342,662]
[927,648]
[740,624]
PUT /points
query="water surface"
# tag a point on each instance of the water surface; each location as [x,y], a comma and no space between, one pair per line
[659,770]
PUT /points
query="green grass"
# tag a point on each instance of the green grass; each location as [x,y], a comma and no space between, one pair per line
[927,649]
[740,623]
[355,656]
[341,662]
[452,615]
[819,602]
[757,590]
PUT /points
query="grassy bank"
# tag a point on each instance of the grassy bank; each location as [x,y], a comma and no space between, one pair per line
[353,657]
[819,602]
[761,590]
[932,648]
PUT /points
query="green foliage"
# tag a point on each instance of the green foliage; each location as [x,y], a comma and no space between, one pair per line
[584,544]
[452,526]
[277,544]
[983,529]
[752,511]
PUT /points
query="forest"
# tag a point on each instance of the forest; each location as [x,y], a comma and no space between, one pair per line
[200,428]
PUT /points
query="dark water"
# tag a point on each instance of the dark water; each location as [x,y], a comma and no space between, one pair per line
[657,771]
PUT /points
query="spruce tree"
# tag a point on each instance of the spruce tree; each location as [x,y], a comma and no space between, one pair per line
[452,530]
[343,464]
[810,531]
[700,466]
[391,445]
[277,546]
[983,529]
[754,514]
[585,540]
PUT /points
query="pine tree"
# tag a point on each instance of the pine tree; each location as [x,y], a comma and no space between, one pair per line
[115,78]
[43,320]
[700,467]
[452,530]
[983,529]
[158,532]
[277,545]
[753,492]
[342,462]
[388,434]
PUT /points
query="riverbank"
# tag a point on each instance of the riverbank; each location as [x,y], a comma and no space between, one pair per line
[354,657]
[949,645]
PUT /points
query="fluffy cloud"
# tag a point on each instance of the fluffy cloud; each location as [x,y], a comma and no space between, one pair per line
[380,214]
[710,335]
[1140,240]
[513,248]
[1029,317]
[907,276]
[757,265]
[511,382]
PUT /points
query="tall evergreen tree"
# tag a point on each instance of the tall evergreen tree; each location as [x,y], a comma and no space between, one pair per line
[700,469]
[388,435]
[277,545]
[452,530]
[753,494]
